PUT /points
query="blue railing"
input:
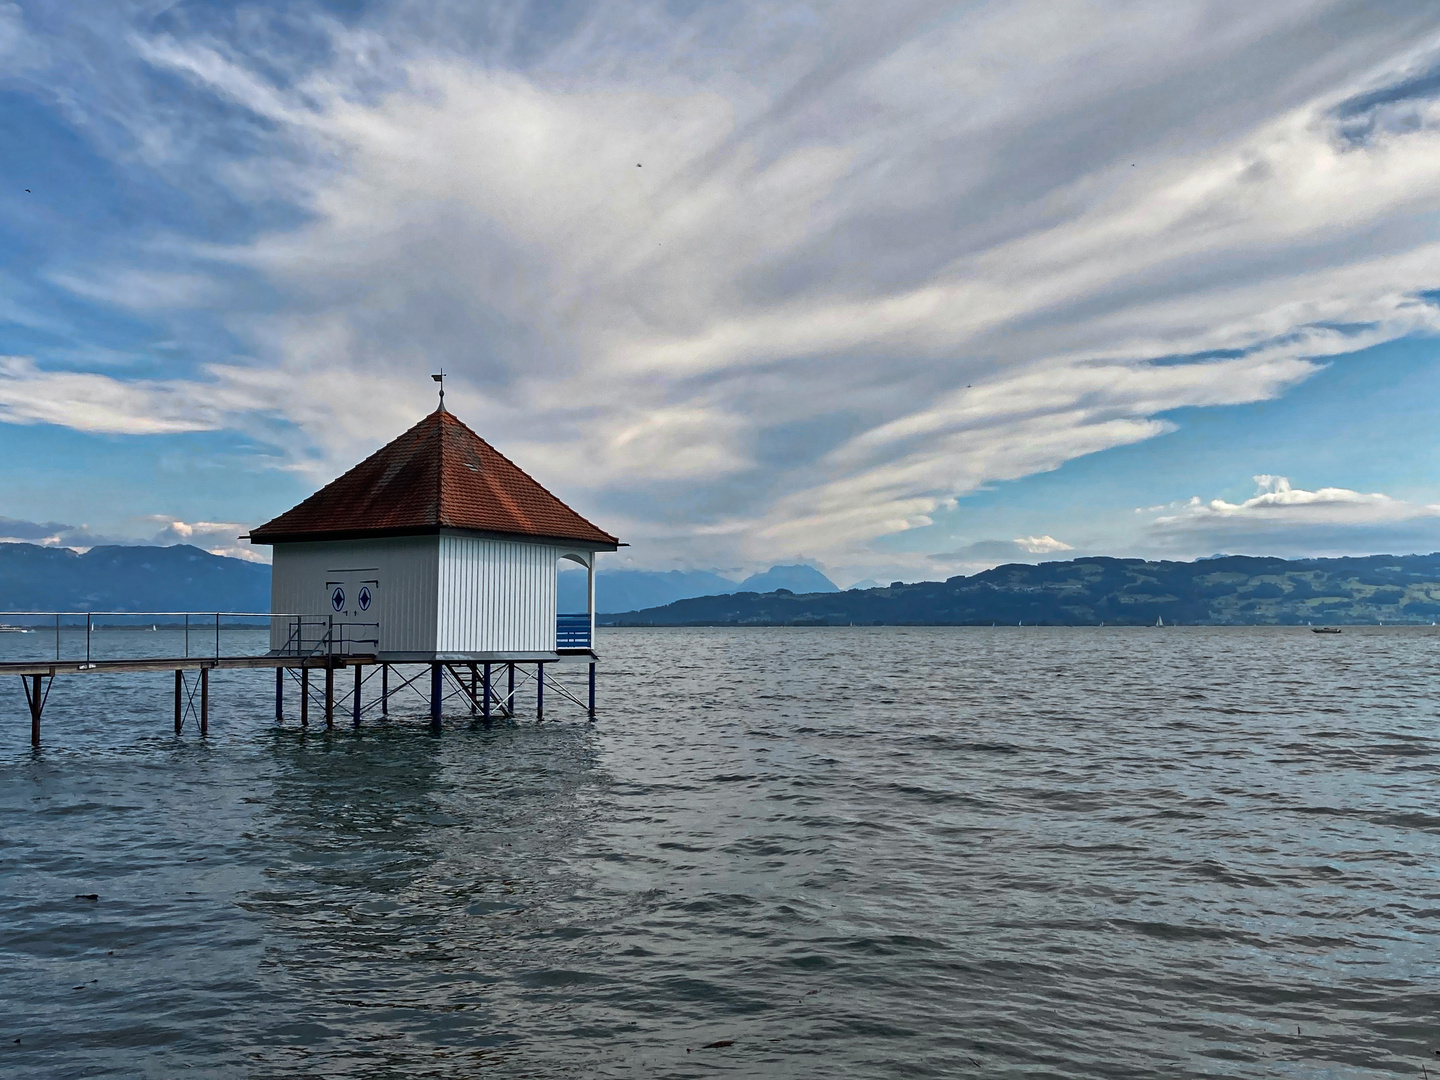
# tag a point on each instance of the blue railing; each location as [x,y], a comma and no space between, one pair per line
[572,631]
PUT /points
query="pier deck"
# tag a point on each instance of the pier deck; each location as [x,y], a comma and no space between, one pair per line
[179,663]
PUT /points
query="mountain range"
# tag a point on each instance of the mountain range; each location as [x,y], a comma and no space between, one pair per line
[178,578]
[1222,590]
[185,578]
[1225,590]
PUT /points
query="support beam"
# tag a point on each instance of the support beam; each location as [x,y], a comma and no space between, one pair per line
[37,705]
[204,701]
[487,694]
[329,695]
[179,701]
[474,688]
[356,703]
[437,685]
[384,689]
[279,695]
[592,689]
[304,696]
[539,689]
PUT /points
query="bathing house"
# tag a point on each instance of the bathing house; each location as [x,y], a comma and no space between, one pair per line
[435,549]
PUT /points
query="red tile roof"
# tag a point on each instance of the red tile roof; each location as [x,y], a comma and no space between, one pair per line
[439,474]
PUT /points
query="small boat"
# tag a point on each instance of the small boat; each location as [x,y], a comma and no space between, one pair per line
[1324,629]
[5,628]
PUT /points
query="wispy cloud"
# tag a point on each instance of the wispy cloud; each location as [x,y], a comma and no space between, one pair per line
[752,283]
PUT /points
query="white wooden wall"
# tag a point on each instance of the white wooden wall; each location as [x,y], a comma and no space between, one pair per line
[496,595]
[407,601]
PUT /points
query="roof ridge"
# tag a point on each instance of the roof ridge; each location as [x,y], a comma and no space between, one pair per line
[522,472]
[440,470]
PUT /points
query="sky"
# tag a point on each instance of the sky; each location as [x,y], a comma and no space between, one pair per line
[746,283]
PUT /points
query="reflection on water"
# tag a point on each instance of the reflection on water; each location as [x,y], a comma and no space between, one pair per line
[860,852]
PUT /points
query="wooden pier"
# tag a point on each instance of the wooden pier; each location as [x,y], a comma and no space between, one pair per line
[471,680]
[436,553]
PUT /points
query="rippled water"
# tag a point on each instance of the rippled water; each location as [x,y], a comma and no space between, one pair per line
[859,852]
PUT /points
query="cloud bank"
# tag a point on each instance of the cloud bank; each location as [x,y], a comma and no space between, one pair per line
[1283,520]
[216,537]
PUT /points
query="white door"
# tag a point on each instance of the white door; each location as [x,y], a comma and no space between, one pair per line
[352,599]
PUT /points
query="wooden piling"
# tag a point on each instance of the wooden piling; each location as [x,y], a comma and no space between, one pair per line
[356,702]
[329,695]
[204,701]
[304,696]
[437,676]
[539,689]
[384,689]
[592,690]
[510,700]
[474,688]
[179,700]
[37,705]
[487,693]
[279,695]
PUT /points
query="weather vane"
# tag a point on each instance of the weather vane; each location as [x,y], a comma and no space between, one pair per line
[440,378]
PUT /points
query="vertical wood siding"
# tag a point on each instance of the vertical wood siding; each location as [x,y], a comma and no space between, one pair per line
[496,595]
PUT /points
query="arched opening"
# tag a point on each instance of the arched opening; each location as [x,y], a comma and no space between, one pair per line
[575,600]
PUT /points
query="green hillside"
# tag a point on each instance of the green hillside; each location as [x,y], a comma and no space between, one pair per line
[1228,591]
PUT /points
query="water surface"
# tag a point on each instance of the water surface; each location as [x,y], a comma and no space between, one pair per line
[864,852]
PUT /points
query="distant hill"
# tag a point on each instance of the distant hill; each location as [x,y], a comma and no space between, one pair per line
[628,590]
[179,578]
[1228,590]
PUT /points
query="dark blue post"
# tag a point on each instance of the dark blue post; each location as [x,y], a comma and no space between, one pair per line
[510,701]
[592,690]
[384,689]
[356,703]
[487,693]
[539,690]
[279,695]
[437,683]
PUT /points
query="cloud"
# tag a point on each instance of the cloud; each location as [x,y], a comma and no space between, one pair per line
[748,284]
[19,48]
[983,554]
[44,533]
[88,401]
[218,538]
[1042,545]
[1281,519]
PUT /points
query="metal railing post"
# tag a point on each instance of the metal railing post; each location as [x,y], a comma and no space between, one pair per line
[217,635]
[57,635]
[187,633]
[87,638]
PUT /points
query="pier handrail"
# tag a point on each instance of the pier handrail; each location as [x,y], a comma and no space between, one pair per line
[325,644]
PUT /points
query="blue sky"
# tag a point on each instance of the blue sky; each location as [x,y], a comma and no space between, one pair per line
[746,283]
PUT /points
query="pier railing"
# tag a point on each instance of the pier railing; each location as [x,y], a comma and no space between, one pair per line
[200,631]
[312,635]
[572,631]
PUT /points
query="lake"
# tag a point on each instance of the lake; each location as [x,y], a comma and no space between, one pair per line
[860,852]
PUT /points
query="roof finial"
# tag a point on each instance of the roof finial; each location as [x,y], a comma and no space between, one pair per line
[441,380]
